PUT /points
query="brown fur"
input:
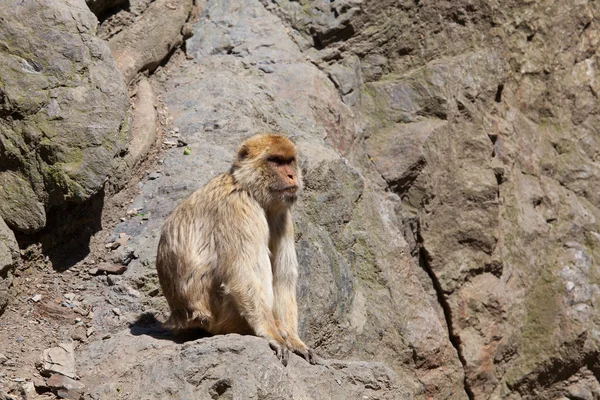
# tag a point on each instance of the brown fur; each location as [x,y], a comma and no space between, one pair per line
[226,259]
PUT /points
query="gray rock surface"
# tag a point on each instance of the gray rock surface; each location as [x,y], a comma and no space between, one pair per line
[144,124]
[9,258]
[145,44]
[63,107]
[9,249]
[230,366]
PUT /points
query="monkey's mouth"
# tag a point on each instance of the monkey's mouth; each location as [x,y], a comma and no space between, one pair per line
[288,194]
[289,189]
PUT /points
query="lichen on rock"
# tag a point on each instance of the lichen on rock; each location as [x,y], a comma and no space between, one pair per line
[63,105]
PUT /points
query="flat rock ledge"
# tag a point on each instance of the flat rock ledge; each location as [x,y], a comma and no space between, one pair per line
[152,366]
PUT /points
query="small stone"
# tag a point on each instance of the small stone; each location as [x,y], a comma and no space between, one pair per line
[154,292]
[60,360]
[181,143]
[65,387]
[112,281]
[123,239]
[3,359]
[36,298]
[70,296]
[20,339]
[109,268]
[132,292]
[79,333]
[28,389]
[127,255]
[80,311]
[90,331]
[93,271]
[153,176]
[117,311]
[112,246]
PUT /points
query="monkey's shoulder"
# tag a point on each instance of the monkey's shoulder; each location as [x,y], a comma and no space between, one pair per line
[220,200]
[222,191]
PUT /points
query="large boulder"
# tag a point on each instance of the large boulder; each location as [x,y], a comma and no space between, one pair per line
[228,367]
[63,110]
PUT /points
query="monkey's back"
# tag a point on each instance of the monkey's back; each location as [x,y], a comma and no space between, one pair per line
[194,257]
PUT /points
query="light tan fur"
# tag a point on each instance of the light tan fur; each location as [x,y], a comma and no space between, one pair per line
[226,259]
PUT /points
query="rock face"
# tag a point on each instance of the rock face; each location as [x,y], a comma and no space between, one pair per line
[449,230]
[486,126]
[63,108]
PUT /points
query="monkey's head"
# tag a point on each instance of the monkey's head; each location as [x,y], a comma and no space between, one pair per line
[267,167]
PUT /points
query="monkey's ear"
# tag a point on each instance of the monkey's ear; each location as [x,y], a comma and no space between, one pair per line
[243,152]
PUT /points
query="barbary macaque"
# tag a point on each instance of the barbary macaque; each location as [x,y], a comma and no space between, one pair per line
[226,259]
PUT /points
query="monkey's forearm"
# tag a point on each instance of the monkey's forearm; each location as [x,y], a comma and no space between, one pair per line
[285,308]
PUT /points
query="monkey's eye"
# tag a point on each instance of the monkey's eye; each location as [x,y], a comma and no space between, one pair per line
[280,160]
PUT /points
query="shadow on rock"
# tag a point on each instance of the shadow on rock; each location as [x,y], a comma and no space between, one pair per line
[69,229]
[147,324]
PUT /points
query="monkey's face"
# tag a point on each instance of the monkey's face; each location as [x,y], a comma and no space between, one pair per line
[285,181]
[267,166]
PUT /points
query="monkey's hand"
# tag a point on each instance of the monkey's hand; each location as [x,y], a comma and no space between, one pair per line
[297,346]
[281,351]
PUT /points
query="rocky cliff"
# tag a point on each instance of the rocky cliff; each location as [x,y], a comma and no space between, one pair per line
[448,235]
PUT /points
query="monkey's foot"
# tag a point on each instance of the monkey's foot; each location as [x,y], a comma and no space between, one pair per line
[281,351]
[298,347]
[308,354]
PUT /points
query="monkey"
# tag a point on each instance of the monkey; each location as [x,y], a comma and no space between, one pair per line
[226,258]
